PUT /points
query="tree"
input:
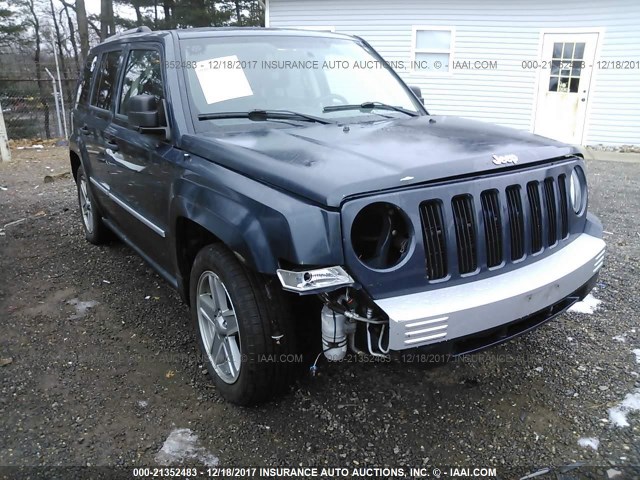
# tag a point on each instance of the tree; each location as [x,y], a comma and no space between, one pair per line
[107,20]
[72,38]
[33,19]
[83,28]
[58,41]
[11,27]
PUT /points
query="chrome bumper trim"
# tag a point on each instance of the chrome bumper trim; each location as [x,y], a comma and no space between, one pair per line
[446,313]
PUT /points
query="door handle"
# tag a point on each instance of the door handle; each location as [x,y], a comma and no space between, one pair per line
[84,130]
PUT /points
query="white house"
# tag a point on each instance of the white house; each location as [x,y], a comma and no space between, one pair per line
[566,69]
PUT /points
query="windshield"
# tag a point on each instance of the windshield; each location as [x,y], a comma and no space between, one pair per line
[302,74]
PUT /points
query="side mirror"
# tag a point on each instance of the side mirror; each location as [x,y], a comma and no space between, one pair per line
[142,112]
[417,91]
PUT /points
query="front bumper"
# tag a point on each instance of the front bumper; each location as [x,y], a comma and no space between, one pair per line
[444,314]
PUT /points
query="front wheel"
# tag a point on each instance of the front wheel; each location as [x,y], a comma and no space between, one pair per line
[243,327]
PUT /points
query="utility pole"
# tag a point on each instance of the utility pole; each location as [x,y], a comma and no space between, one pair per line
[64,115]
[5,153]
[55,98]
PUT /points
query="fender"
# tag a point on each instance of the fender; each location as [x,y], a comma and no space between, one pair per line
[261,225]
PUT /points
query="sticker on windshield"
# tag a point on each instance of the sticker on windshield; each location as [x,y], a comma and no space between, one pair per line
[221,79]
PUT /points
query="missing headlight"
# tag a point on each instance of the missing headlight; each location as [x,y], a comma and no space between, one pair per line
[381,235]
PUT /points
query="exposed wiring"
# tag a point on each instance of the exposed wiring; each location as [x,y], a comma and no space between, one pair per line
[337,307]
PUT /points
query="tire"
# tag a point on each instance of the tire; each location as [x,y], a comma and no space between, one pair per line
[95,231]
[244,331]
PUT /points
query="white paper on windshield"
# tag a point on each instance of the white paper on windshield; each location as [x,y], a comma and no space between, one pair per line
[222,79]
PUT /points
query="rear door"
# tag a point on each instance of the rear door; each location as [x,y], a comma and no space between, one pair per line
[81,115]
[95,127]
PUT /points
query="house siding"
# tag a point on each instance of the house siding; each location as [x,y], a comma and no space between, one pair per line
[505,31]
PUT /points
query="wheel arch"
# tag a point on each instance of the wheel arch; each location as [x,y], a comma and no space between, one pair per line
[197,225]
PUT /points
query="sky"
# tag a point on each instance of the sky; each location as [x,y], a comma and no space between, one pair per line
[93,7]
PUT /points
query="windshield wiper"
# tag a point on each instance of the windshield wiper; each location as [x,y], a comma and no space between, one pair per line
[264,115]
[369,106]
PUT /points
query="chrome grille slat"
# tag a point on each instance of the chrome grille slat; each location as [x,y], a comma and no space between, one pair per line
[434,239]
[550,204]
[464,220]
[492,227]
[535,210]
[564,214]
[516,222]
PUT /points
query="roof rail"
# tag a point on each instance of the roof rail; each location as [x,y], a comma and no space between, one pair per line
[141,29]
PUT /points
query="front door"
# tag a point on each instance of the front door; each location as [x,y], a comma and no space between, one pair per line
[144,163]
[563,89]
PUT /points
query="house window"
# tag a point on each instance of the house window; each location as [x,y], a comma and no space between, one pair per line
[566,67]
[432,49]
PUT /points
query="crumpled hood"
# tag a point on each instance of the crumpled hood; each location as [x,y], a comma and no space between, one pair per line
[326,163]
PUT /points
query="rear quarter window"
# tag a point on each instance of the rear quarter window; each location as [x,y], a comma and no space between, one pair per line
[84,89]
[106,80]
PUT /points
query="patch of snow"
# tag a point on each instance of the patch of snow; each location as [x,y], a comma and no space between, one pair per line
[621,338]
[618,414]
[613,473]
[539,369]
[636,352]
[588,305]
[81,307]
[143,403]
[589,442]
[181,446]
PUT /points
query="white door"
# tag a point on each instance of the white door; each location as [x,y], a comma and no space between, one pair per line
[563,89]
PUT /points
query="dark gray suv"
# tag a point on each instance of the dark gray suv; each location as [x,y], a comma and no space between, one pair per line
[257,168]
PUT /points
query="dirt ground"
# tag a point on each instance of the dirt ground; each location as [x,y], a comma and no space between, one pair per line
[99,365]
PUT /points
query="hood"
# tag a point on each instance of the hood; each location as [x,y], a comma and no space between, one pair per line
[327,163]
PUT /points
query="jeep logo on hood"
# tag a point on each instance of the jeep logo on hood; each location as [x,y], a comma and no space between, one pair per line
[503,159]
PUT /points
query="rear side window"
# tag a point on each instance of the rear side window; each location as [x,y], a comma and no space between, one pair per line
[142,76]
[85,84]
[106,80]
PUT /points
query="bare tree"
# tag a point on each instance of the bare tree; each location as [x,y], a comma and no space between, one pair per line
[107,21]
[72,36]
[83,28]
[58,41]
[34,21]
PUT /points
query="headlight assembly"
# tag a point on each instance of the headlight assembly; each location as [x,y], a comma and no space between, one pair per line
[577,189]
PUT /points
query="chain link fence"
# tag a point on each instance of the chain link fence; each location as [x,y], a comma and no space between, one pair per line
[34,110]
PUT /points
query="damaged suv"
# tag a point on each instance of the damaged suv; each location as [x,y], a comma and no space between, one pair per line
[253,168]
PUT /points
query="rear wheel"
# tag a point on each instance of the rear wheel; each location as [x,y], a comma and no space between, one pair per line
[94,229]
[243,327]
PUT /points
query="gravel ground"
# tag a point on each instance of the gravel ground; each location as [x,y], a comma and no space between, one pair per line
[99,365]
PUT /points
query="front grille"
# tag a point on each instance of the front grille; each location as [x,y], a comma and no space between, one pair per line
[498,226]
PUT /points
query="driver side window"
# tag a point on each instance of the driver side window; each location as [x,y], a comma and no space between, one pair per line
[142,76]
